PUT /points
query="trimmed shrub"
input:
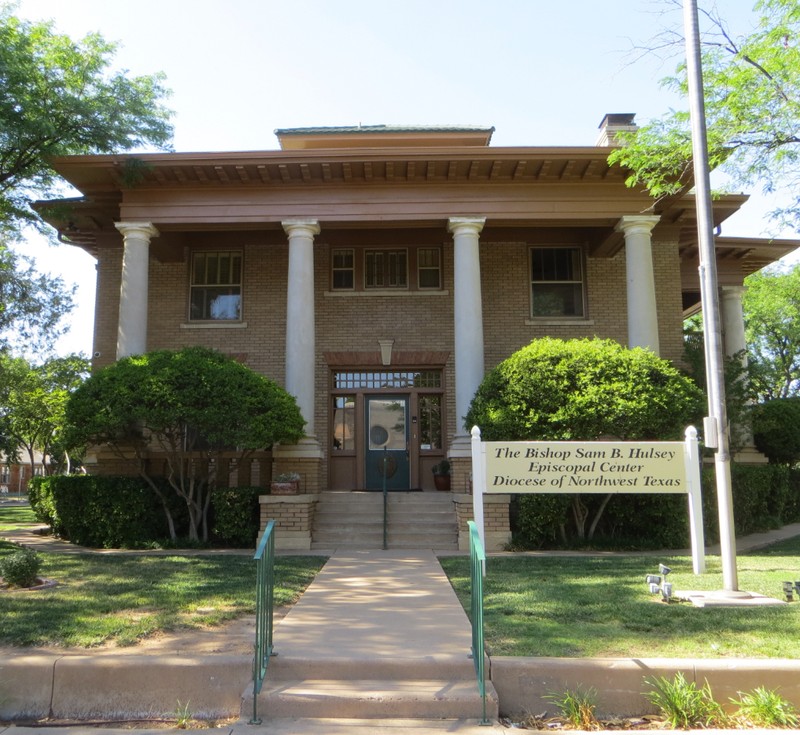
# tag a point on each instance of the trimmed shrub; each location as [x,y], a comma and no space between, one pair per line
[21,569]
[237,515]
[101,511]
[764,497]
[761,496]
[585,390]
[776,429]
[791,511]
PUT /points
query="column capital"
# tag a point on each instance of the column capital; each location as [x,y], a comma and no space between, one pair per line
[637,223]
[457,225]
[309,227]
[144,229]
[731,290]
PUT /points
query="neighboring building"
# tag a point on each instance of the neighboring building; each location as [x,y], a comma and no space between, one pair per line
[377,272]
[16,473]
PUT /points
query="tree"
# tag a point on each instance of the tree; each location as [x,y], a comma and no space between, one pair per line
[736,372]
[752,100]
[188,406]
[771,306]
[32,305]
[60,97]
[555,390]
[32,404]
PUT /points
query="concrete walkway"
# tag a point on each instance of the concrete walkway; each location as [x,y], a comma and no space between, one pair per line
[372,604]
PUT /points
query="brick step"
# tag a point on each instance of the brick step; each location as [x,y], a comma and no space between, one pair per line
[373,698]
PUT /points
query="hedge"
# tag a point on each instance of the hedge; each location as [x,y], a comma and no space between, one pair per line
[102,511]
[764,497]
[236,516]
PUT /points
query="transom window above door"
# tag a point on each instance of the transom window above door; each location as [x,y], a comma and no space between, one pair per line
[374,269]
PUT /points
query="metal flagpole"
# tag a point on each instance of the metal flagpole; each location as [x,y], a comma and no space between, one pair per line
[710,299]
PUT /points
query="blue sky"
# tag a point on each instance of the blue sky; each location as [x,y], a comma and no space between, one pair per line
[542,73]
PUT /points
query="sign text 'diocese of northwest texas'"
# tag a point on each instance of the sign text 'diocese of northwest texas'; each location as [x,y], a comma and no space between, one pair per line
[585,467]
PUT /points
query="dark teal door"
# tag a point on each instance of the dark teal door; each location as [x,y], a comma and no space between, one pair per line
[387,442]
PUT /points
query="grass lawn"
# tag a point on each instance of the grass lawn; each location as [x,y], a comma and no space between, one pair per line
[600,606]
[16,516]
[122,599]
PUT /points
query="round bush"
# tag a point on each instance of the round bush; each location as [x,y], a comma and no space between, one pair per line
[21,569]
[556,390]
[586,390]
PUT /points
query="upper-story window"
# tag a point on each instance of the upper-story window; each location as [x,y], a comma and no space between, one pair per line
[373,269]
[216,286]
[557,282]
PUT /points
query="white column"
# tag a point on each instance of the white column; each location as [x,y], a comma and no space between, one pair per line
[733,321]
[300,339]
[467,315]
[642,314]
[132,324]
[735,345]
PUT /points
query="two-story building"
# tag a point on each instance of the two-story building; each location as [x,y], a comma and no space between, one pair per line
[377,272]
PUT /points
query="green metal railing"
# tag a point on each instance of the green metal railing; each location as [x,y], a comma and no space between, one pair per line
[477,564]
[265,595]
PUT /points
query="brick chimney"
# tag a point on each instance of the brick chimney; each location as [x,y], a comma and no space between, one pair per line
[612,124]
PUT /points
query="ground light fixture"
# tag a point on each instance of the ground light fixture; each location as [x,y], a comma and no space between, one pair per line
[658,583]
[788,589]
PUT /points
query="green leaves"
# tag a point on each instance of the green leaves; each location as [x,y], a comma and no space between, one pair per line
[772,326]
[752,100]
[189,405]
[60,97]
[583,390]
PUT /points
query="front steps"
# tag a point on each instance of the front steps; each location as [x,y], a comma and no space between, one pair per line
[442,688]
[354,520]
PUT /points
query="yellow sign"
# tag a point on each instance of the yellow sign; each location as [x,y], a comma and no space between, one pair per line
[585,467]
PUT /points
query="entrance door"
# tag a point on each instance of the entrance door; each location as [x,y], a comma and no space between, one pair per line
[387,442]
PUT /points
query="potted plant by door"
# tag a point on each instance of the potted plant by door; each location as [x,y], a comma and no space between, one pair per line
[441,475]
[287,483]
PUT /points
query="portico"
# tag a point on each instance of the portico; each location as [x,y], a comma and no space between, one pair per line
[377,273]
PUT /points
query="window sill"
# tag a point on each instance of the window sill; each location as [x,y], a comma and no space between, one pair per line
[387,292]
[214,325]
[565,322]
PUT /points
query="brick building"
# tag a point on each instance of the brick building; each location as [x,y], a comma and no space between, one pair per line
[378,272]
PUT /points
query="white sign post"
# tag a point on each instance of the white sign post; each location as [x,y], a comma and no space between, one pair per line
[591,467]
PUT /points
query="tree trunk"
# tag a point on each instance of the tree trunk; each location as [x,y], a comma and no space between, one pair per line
[579,514]
[598,515]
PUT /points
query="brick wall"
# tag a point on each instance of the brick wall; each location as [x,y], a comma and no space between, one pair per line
[355,322]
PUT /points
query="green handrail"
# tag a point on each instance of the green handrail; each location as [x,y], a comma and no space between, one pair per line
[265,596]
[385,501]
[477,564]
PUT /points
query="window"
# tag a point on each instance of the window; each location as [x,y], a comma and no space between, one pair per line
[374,379]
[385,269]
[557,282]
[344,423]
[344,269]
[378,269]
[430,421]
[216,286]
[428,268]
